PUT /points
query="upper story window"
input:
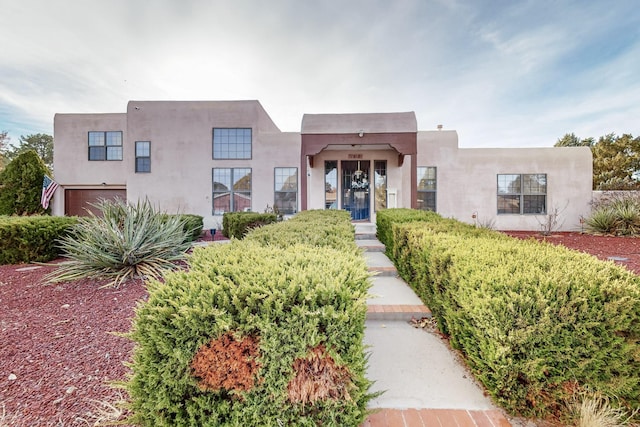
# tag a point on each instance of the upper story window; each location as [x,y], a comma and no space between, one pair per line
[105,145]
[232,143]
[143,156]
[427,187]
[522,193]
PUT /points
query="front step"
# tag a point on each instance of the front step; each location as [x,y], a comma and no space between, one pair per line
[365,236]
[365,230]
[396,312]
[370,245]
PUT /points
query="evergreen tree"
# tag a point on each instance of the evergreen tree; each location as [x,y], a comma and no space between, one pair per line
[21,185]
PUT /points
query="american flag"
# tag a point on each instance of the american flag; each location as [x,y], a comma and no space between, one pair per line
[49,187]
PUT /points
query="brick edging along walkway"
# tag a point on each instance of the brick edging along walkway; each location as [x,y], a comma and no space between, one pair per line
[436,418]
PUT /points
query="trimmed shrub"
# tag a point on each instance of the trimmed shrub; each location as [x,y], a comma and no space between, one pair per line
[315,228]
[536,322]
[33,238]
[253,335]
[123,242]
[385,218]
[21,185]
[238,224]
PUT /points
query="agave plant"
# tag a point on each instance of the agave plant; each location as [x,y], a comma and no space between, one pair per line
[124,241]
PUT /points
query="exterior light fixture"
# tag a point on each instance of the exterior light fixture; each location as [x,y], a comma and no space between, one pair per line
[361,134]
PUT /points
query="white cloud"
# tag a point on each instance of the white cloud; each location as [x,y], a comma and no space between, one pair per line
[501,73]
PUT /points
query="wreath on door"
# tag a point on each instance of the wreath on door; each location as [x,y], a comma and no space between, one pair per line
[359,180]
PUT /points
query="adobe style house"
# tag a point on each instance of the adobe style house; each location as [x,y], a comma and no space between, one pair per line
[211,157]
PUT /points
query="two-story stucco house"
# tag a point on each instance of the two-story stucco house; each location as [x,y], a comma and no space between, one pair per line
[211,157]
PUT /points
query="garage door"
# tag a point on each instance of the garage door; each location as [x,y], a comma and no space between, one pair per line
[77,201]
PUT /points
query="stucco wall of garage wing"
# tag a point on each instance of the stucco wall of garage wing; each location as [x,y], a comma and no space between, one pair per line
[71,149]
[71,155]
[467,181]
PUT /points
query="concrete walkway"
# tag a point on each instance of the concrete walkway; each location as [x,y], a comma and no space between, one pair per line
[423,381]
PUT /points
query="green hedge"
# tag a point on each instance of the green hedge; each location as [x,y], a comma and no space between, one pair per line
[315,228]
[238,224]
[536,322]
[254,335]
[31,238]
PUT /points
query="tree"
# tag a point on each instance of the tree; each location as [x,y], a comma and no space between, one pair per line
[41,143]
[4,140]
[21,185]
[571,140]
[616,160]
[616,163]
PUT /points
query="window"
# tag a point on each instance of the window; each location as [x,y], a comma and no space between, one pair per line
[286,190]
[143,156]
[427,187]
[105,145]
[231,143]
[231,190]
[522,193]
[380,176]
[331,184]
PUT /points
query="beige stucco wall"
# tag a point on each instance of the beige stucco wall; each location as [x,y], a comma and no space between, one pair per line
[182,161]
[467,180]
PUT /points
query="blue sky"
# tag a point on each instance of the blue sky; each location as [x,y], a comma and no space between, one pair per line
[501,73]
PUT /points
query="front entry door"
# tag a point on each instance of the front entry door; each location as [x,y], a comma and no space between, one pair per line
[355,188]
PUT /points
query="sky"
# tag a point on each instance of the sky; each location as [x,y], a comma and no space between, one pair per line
[502,73]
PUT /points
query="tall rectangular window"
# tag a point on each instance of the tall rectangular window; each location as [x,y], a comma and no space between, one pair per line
[143,156]
[331,184]
[522,193]
[427,188]
[231,190]
[285,199]
[380,177]
[231,143]
[105,145]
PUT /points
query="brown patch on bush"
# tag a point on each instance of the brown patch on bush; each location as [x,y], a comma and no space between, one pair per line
[225,363]
[317,377]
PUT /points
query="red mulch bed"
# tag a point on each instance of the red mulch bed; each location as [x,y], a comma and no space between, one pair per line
[622,250]
[57,352]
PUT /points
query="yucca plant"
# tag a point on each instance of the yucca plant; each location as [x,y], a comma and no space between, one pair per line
[628,214]
[123,241]
[604,220]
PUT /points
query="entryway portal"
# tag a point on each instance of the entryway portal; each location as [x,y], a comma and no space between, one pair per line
[355,188]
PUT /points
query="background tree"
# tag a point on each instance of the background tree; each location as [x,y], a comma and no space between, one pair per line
[571,140]
[616,160]
[41,143]
[4,141]
[21,185]
[616,163]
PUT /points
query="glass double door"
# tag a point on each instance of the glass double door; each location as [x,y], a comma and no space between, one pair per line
[356,188]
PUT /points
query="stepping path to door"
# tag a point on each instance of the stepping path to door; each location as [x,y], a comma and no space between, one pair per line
[424,384]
